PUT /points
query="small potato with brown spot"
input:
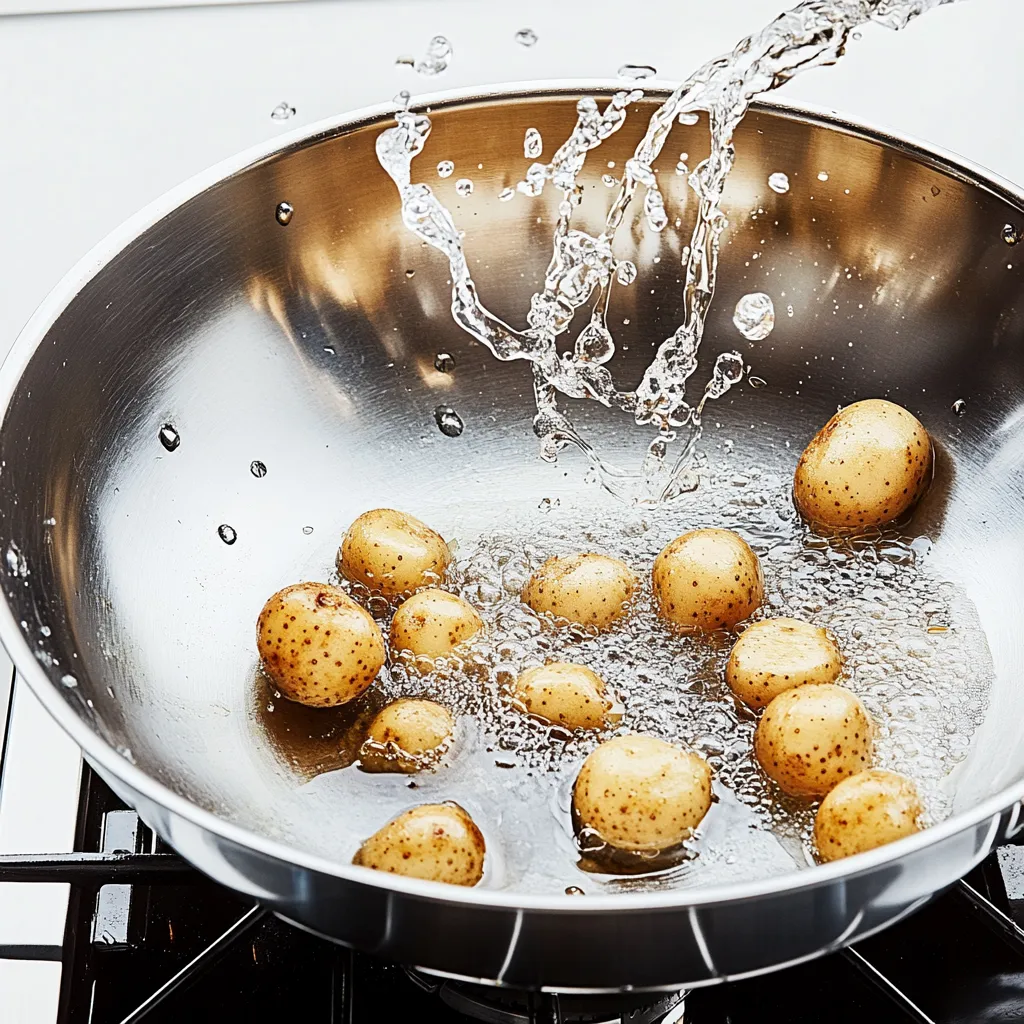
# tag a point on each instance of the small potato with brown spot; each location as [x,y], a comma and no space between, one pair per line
[392,553]
[813,737]
[437,842]
[641,793]
[707,580]
[565,694]
[867,466]
[410,734]
[779,654]
[870,809]
[317,645]
[433,623]
[591,589]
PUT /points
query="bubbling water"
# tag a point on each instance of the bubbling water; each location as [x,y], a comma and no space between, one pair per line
[913,651]
[583,268]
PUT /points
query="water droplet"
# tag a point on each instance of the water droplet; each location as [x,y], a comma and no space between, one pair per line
[688,117]
[935,190]
[50,521]
[330,350]
[858,35]
[608,181]
[169,437]
[636,71]
[959,407]
[227,533]
[822,175]
[69,680]
[282,111]
[779,182]
[754,316]
[445,169]
[789,311]
[682,169]
[45,630]
[533,144]
[405,60]
[16,563]
[464,186]
[526,37]
[448,421]
[506,194]
[402,99]
[574,890]
[410,273]
[284,213]
[756,382]
[654,210]
[625,272]
[258,469]
[307,530]
[444,363]
[437,57]
[1011,235]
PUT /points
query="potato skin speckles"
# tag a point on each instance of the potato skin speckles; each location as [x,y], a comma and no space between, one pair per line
[433,623]
[565,694]
[868,465]
[590,589]
[641,793]
[779,654]
[870,809]
[408,735]
[392,553]
[317,645]
[813,737]
[437,842]
[707,580]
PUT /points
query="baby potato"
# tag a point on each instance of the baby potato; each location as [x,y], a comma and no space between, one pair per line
[438,842]
[778,654]
[317,645]
[565,694]
[866,466]
[641,793]
[813,737]
[392,553]
[432,623]
[587,588]
[707,580]
[409,734]
[870,809]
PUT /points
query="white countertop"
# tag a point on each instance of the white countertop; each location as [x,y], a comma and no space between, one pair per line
[105,111]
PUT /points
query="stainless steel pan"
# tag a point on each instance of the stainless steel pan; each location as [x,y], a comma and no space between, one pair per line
[204,312]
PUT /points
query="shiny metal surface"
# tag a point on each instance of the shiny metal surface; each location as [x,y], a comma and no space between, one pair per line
[205,313]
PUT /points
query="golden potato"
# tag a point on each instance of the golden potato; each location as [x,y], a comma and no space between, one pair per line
[869,809]
[590,589]
[317,645]
[565,694]
[812,738]
[641,793]
[438,842]
[707,580]
[408,735]
[392,553]
[432,623]
[778,654]
[866,466]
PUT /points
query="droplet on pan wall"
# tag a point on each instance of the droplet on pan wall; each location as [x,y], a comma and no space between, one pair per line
[445,169]
[448,421]
[1011,235]
[283,214]
[444,363]
[258,469]
[464,187]
[959,407]
[779,182]
[169,437]
[282,112]
[228,534]
[526,37]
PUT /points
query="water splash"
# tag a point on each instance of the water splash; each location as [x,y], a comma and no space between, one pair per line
[437,58]
[583,269]
[754,316]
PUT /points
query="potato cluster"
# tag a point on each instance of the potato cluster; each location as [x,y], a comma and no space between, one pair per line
[634,793]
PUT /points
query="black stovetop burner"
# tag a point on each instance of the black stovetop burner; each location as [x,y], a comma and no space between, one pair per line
[149,940]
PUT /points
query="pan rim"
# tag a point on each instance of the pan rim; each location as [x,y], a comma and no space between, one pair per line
[96,749]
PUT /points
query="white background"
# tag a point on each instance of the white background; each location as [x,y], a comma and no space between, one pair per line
[102,112]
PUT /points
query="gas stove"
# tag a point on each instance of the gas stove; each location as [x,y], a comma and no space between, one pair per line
[120,930]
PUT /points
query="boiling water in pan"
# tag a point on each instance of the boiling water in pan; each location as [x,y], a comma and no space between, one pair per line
[913,647]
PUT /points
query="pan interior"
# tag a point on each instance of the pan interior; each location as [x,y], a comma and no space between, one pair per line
[311,348]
